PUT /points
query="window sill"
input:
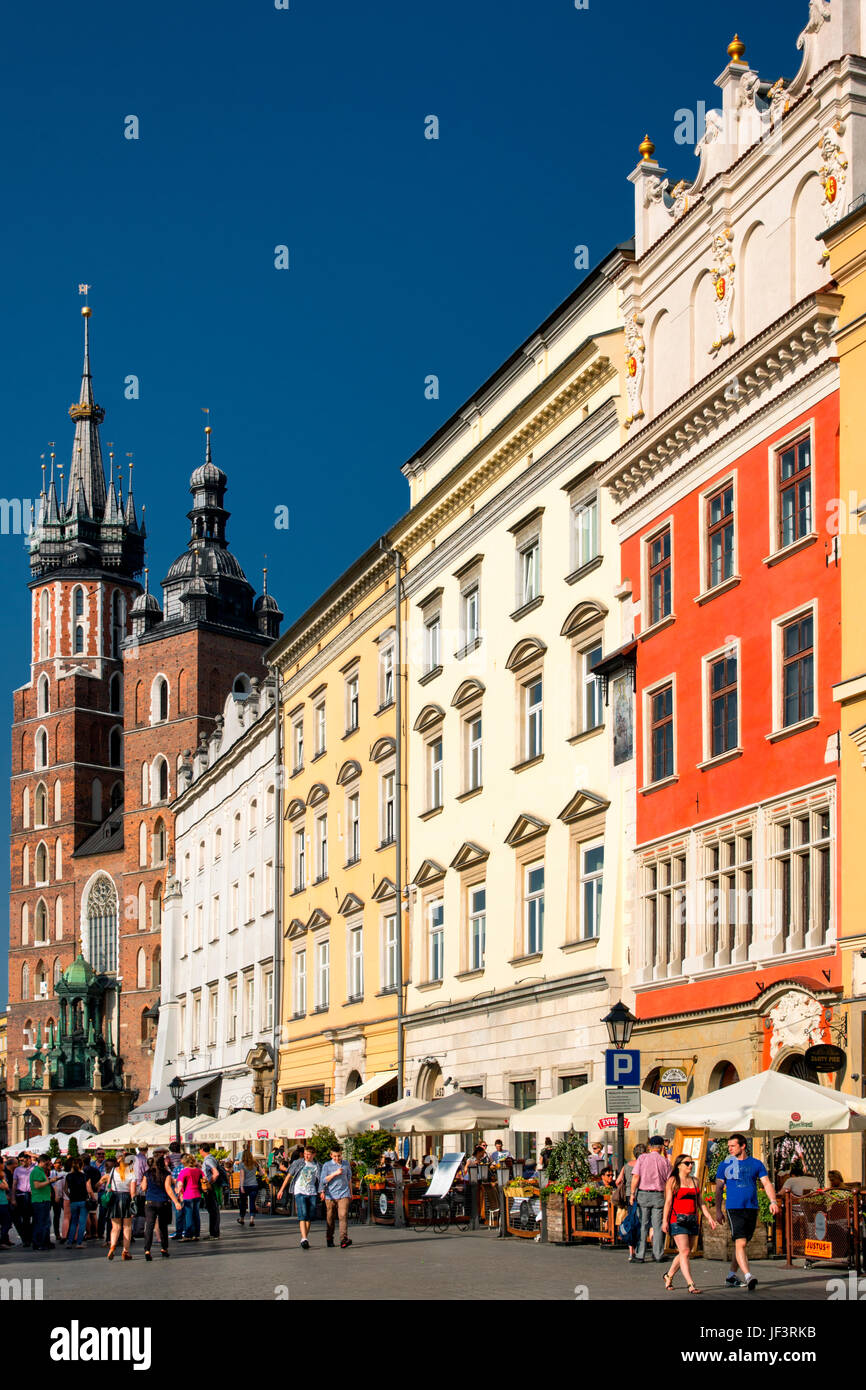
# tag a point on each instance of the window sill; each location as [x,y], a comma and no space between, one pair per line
[657,786]
[470,647]
[798,728]
[526,960]
[386,844]
[321,1008]
[582,945]
[383,708]
[430,984]
[316,756]
[583,570]
[350,732]
[323,878]
[720,758]
[296,892]
[587,733]
[469,974]
[525,608]
[298,1015]
[350,863]
[231,931]
[385,993]
[353,999]
[658,627]
[295,772]
[467,796]
[430,675]
[717,589]
[433,811]
[792,549]
[528,762]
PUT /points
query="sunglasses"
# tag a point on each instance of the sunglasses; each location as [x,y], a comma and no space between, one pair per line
[688,1163]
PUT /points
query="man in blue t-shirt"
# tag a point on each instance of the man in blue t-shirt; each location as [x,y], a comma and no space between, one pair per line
[738,1177]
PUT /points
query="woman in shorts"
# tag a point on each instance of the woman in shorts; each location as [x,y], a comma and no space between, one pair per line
[680,1217]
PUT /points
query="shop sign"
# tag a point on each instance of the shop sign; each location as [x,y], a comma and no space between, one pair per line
[825,1057]
[262,1134]
[819,1249]
[671,1093]
[673,1076]
[609,1122]
[383,1203]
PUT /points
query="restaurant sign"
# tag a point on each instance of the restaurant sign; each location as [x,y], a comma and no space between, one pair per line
[819,1249]
[825,1057]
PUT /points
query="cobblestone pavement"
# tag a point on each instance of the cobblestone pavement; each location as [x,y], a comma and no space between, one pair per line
[268,1263]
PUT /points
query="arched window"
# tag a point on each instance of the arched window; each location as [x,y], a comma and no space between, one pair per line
[41,749]
[217,843]
[236,829]
[58,796]
[254,816]
[200,864]
[142,845]
[141,970]
[159,700]
[145,784]
[25,981]
[115,747]
[41,862]
[25,809]
[159,781]
[156,907]
[118,621]
[138,712]
[142,907]
[156,969]
[40,805]
[158,843]
[25,925]
[25,866]
[96,799]
[58,919]
[43,625]
[27,1033]
[115,693]
[40,983]
[102,925]
[56,972]
[78,619]
[41,921]
[116,798]
[241,687]
[269,804]
[42,695]
[58,858]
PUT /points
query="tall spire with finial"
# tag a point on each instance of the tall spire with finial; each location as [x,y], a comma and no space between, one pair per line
[86,471]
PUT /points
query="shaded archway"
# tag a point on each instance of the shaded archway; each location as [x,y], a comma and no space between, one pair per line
[723,1074]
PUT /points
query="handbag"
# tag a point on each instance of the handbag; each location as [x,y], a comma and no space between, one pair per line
[629,1227]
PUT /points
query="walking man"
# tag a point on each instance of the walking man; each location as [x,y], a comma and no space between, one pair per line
[336,1188]
[212,1177]
[304,1179]
[648,1179]
[40,1196]
[22,1213]
[738,1177]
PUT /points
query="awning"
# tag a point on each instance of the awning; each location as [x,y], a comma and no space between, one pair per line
[367,1088]
[158,1106]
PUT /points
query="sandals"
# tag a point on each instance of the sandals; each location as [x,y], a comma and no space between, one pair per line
[669,1281]
[692,1289]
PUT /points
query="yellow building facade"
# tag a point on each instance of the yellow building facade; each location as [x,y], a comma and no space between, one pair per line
[846,243]
[338,672]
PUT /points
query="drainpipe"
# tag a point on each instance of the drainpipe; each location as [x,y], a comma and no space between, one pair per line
[398,809]
[278,882]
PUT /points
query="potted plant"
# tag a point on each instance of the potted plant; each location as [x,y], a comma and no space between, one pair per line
[567,1169]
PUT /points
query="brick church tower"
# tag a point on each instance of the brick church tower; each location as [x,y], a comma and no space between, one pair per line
[119,694]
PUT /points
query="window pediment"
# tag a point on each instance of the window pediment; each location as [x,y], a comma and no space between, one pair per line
[384,889]
[295,808]
[318,918]
[429,872]
[468,855]
[348,772]
[584,616]
[527,650]
[383,748]
[430,716]
[295,929]
[526,828]
[582,805]
[317,794]
[465,692]
[351,903]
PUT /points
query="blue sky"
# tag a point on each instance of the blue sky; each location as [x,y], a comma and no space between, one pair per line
[304,127]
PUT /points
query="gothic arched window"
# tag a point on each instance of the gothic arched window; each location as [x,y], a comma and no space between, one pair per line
[41,805]
[78,619]
[159,843]
[41,921]
[102,925]
[115,693]
[43,625]
[115,747]
[42,695]
[42,748]
[118,621]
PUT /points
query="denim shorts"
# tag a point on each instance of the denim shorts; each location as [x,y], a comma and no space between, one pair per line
[305,1207]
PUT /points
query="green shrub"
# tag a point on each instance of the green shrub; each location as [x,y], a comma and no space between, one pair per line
[368,1148]
[569,1162]
[73,1148]
[323,1140]
[53,1149]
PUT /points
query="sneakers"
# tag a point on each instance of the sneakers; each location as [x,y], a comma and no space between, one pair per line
[732,1282]
[751,1283]
[305,1244]
[344,1243]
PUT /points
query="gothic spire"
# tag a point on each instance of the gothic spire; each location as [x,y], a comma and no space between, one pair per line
[86,471]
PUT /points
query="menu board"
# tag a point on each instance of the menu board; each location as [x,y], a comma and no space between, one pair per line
[440,1183]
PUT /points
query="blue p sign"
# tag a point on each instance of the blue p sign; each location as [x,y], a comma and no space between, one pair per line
[622,1066]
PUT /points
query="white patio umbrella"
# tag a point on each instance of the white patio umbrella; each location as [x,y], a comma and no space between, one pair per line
[580,1109]
[114,1138]
[80,1136]
[190,1129]
[769,1103]
[278,1123]
[15,1149]
[454,1114]
[150,1133]
[241,1125]
[383,1115]
[42,1143]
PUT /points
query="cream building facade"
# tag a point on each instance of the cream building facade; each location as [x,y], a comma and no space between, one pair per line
[520,812]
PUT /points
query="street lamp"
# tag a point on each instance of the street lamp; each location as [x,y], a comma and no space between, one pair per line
[619,1023]
[28,1120]
[177,1088]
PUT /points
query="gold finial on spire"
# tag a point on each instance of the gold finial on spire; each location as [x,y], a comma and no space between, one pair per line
[736,49]
[265,574]
[146,579]
[646,149]
[86,311]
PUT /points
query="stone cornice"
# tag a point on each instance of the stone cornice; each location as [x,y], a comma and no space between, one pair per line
[380,569]
[759,367]
[591,981]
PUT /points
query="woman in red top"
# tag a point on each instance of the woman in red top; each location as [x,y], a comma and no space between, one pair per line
[189,1181]
[680,1218]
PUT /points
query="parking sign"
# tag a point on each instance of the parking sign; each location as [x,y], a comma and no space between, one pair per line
[622,1066]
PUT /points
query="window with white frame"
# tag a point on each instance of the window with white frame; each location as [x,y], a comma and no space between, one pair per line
[434,773]
[389,826]
[728,891]
[529,558]
[297,745]
[591,882]
[584,531]
[353,826]
[268,1000]
[533,908]
[802,871]
[232,1019]
[389,951]
[356,962]
[432,642]
[532,718]
[664,915]
[351,703]
[299,984]
[471,605]
[300,860]
[320,727]
[477,921]
[719,522]
[593,708]
[184,934]
[195,1041]
[659,585]
[249,1003]
[236,828]
[214,918]
[660,732]
[386,676]
[251,896]
[322,846]
[797,660]
[474,763]
[793,469]
[323,974]
[253,816]
[198,940]
[436,939]
[212,1006]
[722,696]
[235,906]
[182,1027]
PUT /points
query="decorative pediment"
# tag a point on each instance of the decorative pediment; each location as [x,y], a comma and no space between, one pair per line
[527,649]
[295,808]
[524,829]
[384,889]
[581,805]
[584,616]
[430,716]
[429,872]
[468,690]
[383,748]
[295,929]
[351,903]
[468,855]
[348,772]
[318,918]
[318,793]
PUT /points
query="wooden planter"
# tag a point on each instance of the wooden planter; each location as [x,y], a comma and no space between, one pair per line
[593,1221]
[556,1209]
[718,1245]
